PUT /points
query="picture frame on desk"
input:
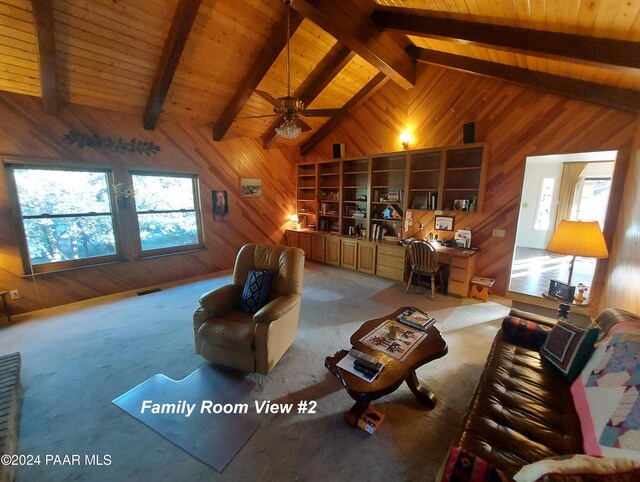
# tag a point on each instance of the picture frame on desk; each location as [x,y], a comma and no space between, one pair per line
[443,223]
[561,291]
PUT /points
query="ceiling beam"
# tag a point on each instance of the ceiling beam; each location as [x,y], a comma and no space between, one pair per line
[605,95]
[321,76]
[265,59]
[43,17]
[353,26]
[183,18]
[556,45]
[363,94]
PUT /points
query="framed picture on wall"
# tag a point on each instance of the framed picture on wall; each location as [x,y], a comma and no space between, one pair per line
[220,205]
[443,223]
[250,187]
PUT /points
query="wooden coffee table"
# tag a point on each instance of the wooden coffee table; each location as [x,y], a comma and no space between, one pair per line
[394,373]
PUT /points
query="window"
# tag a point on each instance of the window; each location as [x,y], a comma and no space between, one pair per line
[544,205]
[65,215]
[591,199]
[168,217]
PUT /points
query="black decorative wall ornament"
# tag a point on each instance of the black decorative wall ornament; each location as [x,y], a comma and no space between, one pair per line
[119,146]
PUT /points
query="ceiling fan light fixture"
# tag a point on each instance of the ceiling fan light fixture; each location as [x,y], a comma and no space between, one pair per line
[288,129]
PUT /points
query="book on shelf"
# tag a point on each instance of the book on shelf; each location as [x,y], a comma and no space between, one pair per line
[416,319]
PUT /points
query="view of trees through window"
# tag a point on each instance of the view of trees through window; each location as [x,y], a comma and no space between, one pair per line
[166,211]
[66,214]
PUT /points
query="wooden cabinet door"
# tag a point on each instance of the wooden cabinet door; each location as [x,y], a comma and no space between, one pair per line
[317,248]
[349,254]
[292,239]
[367,257]
[304,240]
[332,250]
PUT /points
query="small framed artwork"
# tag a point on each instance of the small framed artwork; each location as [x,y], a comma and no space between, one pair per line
[561,291]
[443,223]
[250,187]
[220,205]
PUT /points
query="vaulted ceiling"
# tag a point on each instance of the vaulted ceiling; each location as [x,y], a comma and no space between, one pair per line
[200,61]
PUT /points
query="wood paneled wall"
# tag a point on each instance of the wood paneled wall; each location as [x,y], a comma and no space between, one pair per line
[516,122]
[26,132]
[623,280]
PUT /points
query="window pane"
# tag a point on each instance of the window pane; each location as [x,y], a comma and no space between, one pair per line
[544,205]
[62,239]
[61,192]
[167,230]
[163,193]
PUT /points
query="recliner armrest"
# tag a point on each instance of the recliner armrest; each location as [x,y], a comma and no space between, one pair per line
[222,299]
[543,320]
[277,308]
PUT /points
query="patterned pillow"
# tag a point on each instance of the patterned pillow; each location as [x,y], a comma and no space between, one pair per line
[566,465]
[606,395]
[464,466]
[525,332]
[256,290]
[568,348]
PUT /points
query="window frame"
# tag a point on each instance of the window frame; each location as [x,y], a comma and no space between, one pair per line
[197,209]
[18,218]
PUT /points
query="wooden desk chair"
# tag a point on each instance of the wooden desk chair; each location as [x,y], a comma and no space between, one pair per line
[423,258]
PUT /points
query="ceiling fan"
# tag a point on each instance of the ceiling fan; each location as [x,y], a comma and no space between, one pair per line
[289,108]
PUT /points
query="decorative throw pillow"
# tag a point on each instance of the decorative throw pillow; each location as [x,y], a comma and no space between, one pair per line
[464,466]
[256,290]
[607,395]
[568,348]
[576,465]
[525,332]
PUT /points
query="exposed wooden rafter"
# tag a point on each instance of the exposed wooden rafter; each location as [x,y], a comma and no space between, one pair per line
[183,19]
[259,69]
[363,94]
[354,27]
[43,17]
[556,45]
[608,96]
[330,66]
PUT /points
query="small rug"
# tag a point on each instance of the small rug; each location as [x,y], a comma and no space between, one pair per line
[179,411]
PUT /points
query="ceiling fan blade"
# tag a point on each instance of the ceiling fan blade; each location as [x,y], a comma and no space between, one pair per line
[325,112]
[302,125]
[268,97]
[257,116]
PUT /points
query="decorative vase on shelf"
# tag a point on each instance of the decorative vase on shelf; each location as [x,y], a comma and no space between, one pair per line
[579,296]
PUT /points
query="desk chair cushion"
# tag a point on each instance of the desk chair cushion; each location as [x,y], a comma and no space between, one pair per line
[256,290]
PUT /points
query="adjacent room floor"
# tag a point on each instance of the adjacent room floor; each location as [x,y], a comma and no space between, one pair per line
[532,270]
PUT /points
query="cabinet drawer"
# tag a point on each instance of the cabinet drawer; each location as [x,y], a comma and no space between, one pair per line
[391,273]
[397,251]
[459,262]
[458,274]
[457,288]
[390,261]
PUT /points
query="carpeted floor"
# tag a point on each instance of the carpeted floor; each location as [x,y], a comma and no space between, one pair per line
[78,358]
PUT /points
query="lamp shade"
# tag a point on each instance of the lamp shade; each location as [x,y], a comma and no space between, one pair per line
[294,218]
[579,238]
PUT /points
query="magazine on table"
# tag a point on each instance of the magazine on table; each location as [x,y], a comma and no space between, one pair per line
[416,319]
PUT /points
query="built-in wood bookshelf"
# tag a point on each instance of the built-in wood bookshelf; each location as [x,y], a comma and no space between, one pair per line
[370,195]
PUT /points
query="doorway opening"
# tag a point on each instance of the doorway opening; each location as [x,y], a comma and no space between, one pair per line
[557,187]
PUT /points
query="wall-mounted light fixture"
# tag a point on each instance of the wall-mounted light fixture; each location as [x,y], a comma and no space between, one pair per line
[406,139]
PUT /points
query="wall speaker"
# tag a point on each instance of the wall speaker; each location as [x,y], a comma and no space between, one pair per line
[338,151]
[469,133]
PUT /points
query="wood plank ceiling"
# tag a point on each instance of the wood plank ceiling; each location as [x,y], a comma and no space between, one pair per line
[200,61]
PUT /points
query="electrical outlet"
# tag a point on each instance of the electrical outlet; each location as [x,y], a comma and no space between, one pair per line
[498,233]
[15,294]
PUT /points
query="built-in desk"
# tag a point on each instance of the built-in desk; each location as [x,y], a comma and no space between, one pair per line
[387,259]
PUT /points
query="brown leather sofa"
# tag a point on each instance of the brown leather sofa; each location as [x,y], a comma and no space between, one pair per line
[522,410]
[225,335]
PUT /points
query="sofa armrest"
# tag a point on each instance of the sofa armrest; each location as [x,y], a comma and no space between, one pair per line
[221,299]
[277,308]
[543,320]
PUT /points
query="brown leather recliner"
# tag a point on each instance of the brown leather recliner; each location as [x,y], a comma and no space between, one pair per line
[225,335]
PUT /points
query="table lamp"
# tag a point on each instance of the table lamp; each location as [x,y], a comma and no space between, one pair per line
[295,221]
[578,238]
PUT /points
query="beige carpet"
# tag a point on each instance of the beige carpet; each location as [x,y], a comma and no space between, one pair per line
[76,359]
